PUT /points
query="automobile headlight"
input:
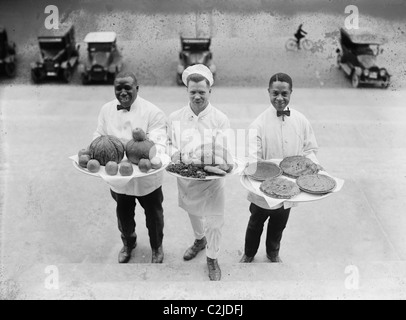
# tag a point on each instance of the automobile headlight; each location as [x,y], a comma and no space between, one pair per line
[180,68]
[56,65]
[382,72]
[366,72]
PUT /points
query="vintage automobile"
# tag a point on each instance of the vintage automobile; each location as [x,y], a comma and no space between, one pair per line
[358,57]
[59,55]
[7,54]
[194,51]
[104,60]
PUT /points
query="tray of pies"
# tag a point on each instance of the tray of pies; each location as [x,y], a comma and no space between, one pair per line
[262,170]
[297,166]
[279,188]
[287,190]
[316,183]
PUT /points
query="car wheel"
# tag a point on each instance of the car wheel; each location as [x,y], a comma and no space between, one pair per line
[386,83]
[179,80]
[67,74]
[111,77]
[85,79]
[339,61]
[10,69]
[355,80]
[37,75]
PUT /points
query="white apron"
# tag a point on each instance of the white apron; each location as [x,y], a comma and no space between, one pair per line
[202,198]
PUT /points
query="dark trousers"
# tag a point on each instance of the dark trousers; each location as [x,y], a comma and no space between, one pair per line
[154,213]
[278,219]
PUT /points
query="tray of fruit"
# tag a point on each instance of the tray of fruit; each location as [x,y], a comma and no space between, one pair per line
[108,158]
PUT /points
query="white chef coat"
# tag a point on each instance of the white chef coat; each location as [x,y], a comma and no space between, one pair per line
[280,137]
[145,115]
[186,132]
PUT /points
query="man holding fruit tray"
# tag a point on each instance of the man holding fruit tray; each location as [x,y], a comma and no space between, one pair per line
[120,118]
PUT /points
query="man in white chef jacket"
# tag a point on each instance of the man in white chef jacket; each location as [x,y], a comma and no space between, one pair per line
[196,123]
[119,118]
[280,132]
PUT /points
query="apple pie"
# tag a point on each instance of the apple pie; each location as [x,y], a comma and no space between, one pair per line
[261,171]
[279,188]
[297,166]
[316,183]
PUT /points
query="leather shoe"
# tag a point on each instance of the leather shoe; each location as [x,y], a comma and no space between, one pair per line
[274,258]
[157,255]
[125,253]
[214,269]
[246,259]
[192,252]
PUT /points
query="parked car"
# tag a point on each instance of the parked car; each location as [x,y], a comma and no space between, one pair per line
[358,57]
[104,61]
[194,51]
[59,55]
[7,54]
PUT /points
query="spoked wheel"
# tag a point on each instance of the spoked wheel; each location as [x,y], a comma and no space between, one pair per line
[179,80]
[354,80]
[339,61]
[386,84]
[10,69]
[67,74]
[291,45]
[85,79]
[307,44]
[37,75]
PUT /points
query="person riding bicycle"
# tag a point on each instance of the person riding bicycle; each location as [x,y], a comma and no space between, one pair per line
[300,33]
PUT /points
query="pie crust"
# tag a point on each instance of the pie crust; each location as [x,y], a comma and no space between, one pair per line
[279,188]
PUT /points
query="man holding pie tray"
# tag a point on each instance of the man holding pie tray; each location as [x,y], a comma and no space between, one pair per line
[281,133]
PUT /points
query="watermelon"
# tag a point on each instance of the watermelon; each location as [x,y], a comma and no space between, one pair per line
[107,148]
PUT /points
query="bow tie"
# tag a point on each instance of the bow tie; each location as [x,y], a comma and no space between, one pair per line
[120,107]
[283,113]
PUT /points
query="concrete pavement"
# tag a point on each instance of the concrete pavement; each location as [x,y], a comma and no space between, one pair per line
[54,215]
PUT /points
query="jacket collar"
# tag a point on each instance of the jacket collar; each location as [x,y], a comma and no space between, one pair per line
[205,112]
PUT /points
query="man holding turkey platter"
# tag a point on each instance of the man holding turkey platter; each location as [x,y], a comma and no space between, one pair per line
[132,123]
[197,143]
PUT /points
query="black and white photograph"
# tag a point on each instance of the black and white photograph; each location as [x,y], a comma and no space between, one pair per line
[205,154]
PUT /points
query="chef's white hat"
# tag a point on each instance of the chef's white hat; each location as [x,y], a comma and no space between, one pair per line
[199,69]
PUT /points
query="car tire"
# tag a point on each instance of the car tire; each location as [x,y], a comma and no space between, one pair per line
[111,77]
[179,80]
[339,61]
[37,75]
[10,69]
[386,84]
[67,74]
[85,79]
[354,80]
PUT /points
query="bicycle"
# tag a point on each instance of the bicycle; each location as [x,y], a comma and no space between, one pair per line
[291,44]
